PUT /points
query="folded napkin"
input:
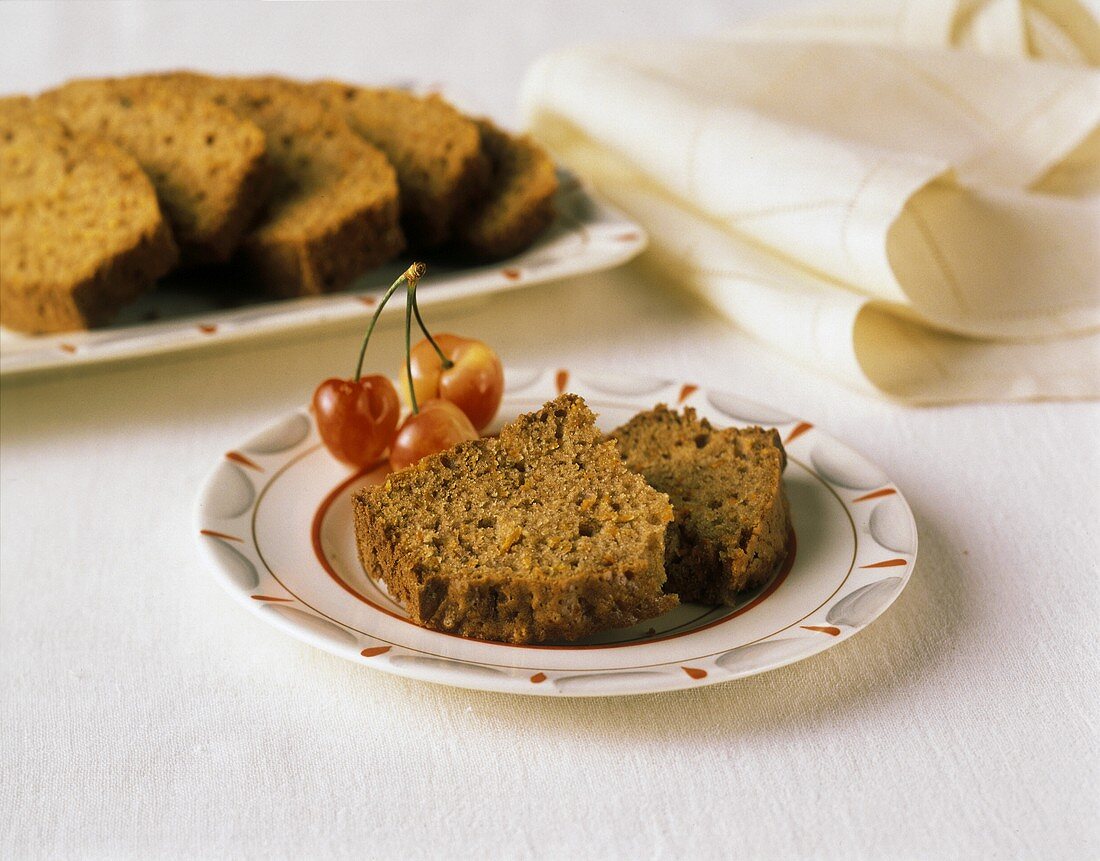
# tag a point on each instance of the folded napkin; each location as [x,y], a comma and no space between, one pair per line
[904,194]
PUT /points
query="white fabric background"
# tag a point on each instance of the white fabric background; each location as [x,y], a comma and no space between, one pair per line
[143,715]
[879,179]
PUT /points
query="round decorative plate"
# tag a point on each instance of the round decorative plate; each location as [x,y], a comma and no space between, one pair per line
[275,522]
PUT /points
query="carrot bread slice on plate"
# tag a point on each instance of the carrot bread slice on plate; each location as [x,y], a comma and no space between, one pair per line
[333,213]
[207,164]
[436,151]
[520,202]
[540,534]
[732,521]
[80,229]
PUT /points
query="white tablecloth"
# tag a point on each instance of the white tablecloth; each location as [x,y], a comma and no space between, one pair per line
[143,715]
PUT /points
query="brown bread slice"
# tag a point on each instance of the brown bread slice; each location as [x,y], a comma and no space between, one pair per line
[81,233]
[540,534]
[520,201]
[207,164]
[436,151]
[732,521]
[333,213]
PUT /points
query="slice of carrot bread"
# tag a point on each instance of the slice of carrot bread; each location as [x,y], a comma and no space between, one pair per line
[726,486]
[207,164]
[541,534]
[436,151]
[520,201]
[334,208]
[80,227]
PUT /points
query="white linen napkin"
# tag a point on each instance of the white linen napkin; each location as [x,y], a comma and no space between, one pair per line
[904,194]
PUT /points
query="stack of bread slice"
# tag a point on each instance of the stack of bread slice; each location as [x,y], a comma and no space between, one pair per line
[441,168]
[539,534]
[303,186]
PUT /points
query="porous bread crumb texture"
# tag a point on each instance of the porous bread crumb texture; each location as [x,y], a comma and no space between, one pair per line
[81,232]
[520,202]
[538,535]
[731,518]
[436,151]
[207,164]
[333,212]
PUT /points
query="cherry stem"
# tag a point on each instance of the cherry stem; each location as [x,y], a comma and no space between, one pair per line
[408,345]
[411,277]
[373,320]
[447,363]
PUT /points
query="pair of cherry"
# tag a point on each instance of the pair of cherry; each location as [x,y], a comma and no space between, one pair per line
[453,386]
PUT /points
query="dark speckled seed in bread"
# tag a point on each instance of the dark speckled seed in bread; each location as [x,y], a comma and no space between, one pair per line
[538,535]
